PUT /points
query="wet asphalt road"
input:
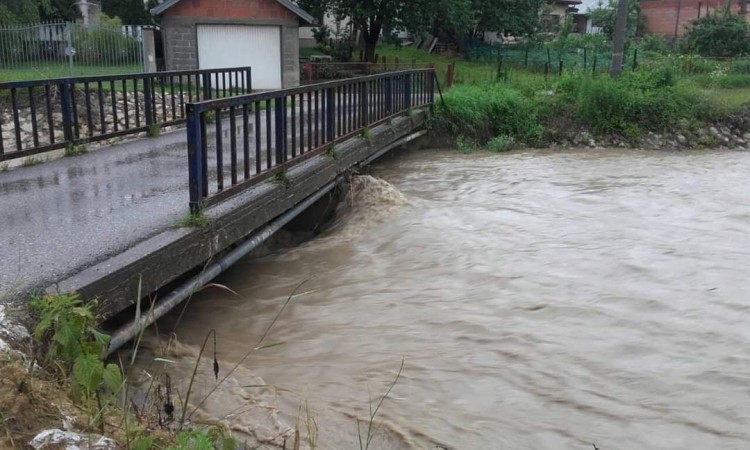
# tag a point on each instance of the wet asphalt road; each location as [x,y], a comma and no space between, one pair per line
[61,216]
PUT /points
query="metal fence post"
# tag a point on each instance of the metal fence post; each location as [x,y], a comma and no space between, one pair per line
[249,81]
[148,100]
[206,82]
[66,104]
[407,91]
[195,158]
[431,89]
[389,96]
[280,133]
[330,115]
[364,105]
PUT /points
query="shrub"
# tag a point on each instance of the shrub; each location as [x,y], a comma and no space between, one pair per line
[718,34]
[67,329]
[654,43]
[501,143]
[483,112]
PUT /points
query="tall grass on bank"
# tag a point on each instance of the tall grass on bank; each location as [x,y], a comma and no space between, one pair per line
[534,111]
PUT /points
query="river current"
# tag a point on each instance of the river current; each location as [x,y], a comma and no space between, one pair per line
[537,299]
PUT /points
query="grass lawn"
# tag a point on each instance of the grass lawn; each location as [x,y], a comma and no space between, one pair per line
[60,70]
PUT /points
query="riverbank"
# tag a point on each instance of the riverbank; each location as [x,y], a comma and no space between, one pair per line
[651,108]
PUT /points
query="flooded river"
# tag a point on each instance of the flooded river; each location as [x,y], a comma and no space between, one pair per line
[538,300]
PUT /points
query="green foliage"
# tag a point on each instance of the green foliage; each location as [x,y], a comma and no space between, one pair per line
[282,178]
[131,12]
[332,152]
[105,43]
[76,149]
[32,161]
[654,43]
[718,34]
[154,130]
[465,144]
[4,167]
[641,100]
[67,330]
[367,134]
[501,143]
[192,220]
[604,17]
[483,112]
[192,440]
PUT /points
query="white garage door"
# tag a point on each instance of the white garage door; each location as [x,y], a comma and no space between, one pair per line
[221,46]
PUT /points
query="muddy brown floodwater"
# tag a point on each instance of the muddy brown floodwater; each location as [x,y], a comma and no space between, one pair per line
[539,300]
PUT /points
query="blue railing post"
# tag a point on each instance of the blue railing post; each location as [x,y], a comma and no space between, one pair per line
[249,81]
[148,100]
[364,105]
[389,96]
[206,82]
[195,158]
[66,103]
[330,115]
[407,91]
[280,132]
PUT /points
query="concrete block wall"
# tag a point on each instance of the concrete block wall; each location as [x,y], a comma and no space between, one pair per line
[179,30]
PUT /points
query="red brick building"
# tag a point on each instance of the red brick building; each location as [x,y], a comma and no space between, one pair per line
[211,34]
[670,17]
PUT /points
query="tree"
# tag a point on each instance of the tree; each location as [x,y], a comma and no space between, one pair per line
[718,34]
[13,12]
[459,17]
[603,16]
[131,12]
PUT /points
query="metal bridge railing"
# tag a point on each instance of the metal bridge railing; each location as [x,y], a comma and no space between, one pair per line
[43,115]
[236,142]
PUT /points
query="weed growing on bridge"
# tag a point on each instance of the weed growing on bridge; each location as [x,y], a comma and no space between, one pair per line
[32,161]
[367,134]
[4,167]
[76,149]
[282,178]
[154,130]
[192,220]
[333,152]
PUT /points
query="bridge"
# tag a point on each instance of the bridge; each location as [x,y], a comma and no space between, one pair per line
[168,213]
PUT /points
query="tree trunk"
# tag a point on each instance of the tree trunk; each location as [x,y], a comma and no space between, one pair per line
[743,7]
[618,41]
[371,35]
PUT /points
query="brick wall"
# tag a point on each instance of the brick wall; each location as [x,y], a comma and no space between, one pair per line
[661,15]
[239,9]
[179,31]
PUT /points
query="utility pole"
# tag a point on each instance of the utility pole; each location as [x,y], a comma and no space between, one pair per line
[618,41]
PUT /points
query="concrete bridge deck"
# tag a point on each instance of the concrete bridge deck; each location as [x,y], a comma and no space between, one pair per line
[61,216]
[103,223]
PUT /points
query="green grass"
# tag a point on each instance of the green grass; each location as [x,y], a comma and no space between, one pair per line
[76,149]
[60,70]
[191,220]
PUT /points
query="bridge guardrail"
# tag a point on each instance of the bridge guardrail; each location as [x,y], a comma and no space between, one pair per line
[44,115]
[279,129]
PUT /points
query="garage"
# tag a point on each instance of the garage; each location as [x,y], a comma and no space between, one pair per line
[256,46]
[215,34]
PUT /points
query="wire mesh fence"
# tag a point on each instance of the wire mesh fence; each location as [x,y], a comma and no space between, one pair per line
[51,50]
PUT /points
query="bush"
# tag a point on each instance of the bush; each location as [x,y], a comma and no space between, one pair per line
[719,34]
[501,143]
[644,100]
[654,43]
[484,112]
